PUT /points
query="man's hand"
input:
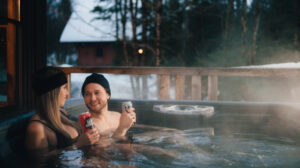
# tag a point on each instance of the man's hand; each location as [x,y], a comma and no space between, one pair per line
[127,119]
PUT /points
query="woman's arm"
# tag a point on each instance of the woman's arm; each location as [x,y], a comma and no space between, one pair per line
[36,137]
[88,138]
[36,142]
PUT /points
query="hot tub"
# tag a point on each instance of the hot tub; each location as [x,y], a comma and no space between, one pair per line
[274,119]
[234,135]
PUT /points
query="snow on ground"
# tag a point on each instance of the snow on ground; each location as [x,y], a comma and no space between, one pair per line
[281,65]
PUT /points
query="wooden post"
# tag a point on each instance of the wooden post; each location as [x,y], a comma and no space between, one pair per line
[196,87]
[69,83]
[10,62]
[179,87]
[212,88]
[164,92]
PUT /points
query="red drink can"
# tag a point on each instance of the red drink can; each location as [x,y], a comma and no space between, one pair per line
[86,121]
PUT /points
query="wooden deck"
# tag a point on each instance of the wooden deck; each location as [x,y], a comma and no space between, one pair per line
[196,74]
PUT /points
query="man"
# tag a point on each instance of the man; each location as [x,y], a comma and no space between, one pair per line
[96,93]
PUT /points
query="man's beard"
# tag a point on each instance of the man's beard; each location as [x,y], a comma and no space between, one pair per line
[97,110]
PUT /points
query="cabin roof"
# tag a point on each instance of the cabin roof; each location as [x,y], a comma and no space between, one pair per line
[83,26]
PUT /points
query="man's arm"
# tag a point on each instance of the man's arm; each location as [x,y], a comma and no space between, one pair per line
[127,119]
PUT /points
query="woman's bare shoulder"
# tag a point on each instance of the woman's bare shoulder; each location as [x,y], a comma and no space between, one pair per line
[35,135]
[34,125]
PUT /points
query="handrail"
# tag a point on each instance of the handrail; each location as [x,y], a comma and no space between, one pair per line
[181,72]
[262,72]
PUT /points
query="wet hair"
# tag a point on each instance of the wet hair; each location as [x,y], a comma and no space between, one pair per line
[96,78]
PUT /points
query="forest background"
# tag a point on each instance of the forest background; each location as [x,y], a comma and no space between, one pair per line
[190,33]
[194,33]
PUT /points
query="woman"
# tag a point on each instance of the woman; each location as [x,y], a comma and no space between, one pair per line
[48,129]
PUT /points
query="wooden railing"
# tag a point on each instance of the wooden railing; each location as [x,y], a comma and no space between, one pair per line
[196,77]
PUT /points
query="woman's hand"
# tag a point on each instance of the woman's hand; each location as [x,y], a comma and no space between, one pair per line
[88,138]
[127,119]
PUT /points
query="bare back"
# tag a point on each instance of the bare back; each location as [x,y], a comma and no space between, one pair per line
[40,135]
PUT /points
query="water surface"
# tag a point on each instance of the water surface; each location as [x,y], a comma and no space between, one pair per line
[191,148]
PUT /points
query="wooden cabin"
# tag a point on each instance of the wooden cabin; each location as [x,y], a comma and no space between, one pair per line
[94,39]
[23,48]
[93,54]
[23,51]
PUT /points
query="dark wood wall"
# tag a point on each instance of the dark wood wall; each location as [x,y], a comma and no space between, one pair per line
[33,48]
[30,55]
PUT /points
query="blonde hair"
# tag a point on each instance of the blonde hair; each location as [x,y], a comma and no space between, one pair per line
[49,110]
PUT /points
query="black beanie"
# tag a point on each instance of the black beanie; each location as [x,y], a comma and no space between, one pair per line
[43,82]
[96,78]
